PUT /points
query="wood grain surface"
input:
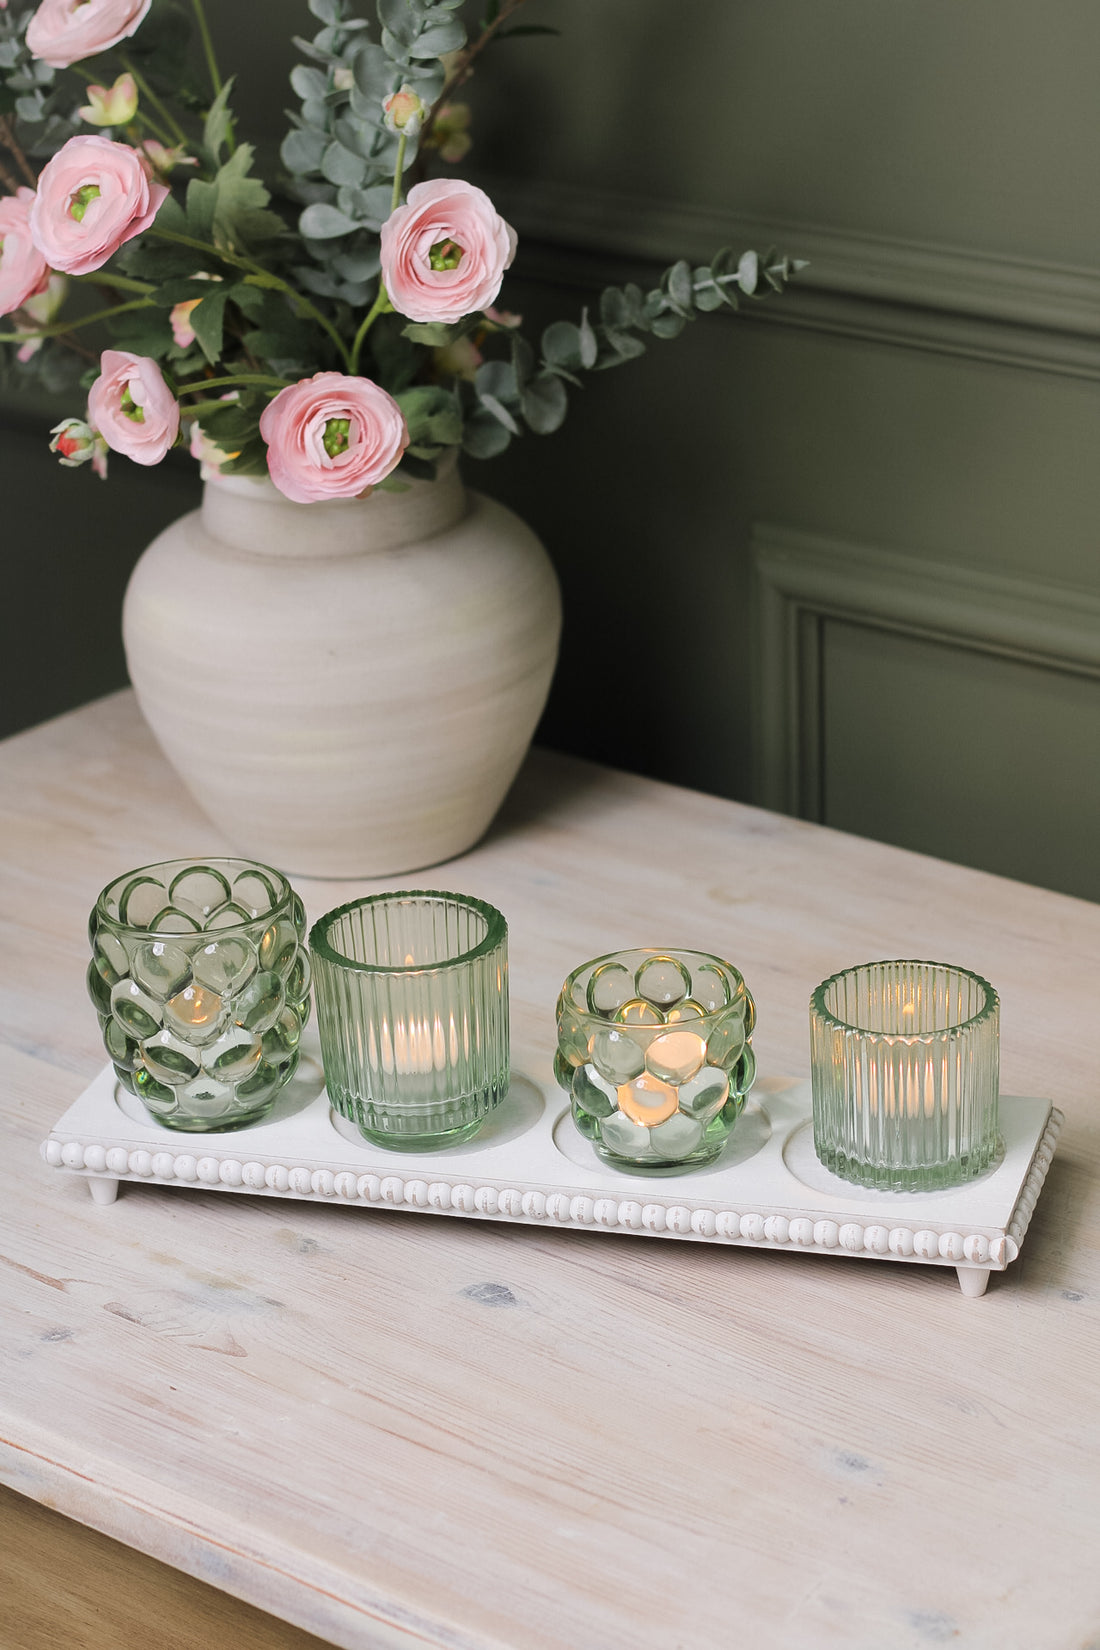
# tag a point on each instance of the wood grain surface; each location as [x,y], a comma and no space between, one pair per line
[392,1431]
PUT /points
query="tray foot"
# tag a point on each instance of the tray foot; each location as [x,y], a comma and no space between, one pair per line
[103,1191]
[973,1280]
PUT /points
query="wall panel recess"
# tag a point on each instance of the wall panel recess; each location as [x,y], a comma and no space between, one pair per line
[935,706]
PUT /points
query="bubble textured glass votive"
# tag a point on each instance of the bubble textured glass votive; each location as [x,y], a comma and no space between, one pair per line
[201,980]
[412,1006]
[905,1063]
[654,1051]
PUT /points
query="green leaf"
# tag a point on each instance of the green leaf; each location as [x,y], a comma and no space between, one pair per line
[207,323]
[218,122]
[497,379]
[340,165]
[561,344]
[670,325]
[499,412]
[748,272]
[484,435]
[321,222]
[677,284]
[590,348]
[432,416]
[545,404]
[438,38]
[309,83]
[433,333]
[329,11]
[302,151]
[625,345]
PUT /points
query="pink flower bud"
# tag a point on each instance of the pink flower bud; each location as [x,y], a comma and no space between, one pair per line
[111,106]
[76,443]
[182,330]
[451,132]
[161,161]
[403,111]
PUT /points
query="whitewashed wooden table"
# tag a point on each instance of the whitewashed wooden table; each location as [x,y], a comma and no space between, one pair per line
[395,1431]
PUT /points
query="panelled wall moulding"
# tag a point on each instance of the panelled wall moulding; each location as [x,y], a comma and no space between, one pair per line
[801,579]
[922,296]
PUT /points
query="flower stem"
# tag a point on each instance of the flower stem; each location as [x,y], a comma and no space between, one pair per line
[398,170]
[380,306]
[147,92]
[58,327]
[262,277]
[232,382]
[207,46]
[382,302]
[124,283]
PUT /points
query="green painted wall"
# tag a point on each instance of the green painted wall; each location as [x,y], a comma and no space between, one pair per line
[930,392]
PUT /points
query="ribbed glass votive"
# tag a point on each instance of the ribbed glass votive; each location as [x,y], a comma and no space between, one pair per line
[905,1061]
[412,1008]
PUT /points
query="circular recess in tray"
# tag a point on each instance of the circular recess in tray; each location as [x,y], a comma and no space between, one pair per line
[300,1092]
[519,1111]
[802,1161]
[750,1134]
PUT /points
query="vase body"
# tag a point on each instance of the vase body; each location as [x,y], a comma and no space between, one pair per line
[346,688]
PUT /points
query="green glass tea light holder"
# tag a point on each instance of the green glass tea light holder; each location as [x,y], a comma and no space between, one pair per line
[654,1050]
[412,1008]
[904,1059]
[201,981]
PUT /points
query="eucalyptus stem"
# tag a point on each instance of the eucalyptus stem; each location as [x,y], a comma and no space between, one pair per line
[264,278]
[207,46]
[232,382]
[163,111]
[58,327]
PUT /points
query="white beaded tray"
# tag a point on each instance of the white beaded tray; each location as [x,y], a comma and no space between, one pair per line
[530,1165]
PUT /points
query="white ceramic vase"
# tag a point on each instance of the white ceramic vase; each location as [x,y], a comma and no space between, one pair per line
[347,689]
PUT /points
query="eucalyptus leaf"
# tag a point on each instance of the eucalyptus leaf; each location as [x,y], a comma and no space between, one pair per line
[320,222]
[340,165]
[302,151]
[446,36]
[561,344]
[311,85]
[498,380]
[545,404]
[485,436]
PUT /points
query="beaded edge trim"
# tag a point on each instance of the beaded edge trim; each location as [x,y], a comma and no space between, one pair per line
[571,1209]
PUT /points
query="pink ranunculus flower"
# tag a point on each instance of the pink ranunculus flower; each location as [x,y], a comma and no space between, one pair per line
[61,32]
[331,436]
[445,251]
[132,407]
[23,269]
[93,196]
